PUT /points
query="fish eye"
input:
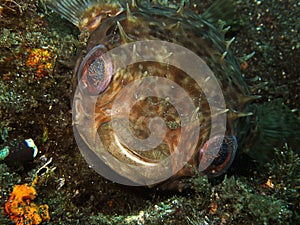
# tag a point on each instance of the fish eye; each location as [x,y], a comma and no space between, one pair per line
[217,154]
[95,71]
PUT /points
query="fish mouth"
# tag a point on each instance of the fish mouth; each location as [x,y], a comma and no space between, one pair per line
[133,156]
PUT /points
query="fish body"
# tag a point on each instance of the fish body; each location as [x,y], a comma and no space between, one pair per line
[111,25]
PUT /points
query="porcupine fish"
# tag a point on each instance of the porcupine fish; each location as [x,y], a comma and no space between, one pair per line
[113,24]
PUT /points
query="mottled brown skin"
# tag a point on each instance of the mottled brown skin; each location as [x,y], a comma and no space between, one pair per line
[192,32]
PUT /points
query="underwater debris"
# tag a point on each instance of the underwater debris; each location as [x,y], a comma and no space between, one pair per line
[20,208]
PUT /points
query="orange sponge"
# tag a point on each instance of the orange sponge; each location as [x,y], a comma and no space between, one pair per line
[20,208]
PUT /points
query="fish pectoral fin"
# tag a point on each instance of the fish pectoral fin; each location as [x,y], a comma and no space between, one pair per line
[223,10]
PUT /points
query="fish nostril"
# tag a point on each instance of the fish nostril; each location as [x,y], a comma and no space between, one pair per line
[95,71]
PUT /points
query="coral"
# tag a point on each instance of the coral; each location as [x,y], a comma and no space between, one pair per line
[20,208]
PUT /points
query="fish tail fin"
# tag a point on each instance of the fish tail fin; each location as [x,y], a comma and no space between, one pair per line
[223,10]
[276,125]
